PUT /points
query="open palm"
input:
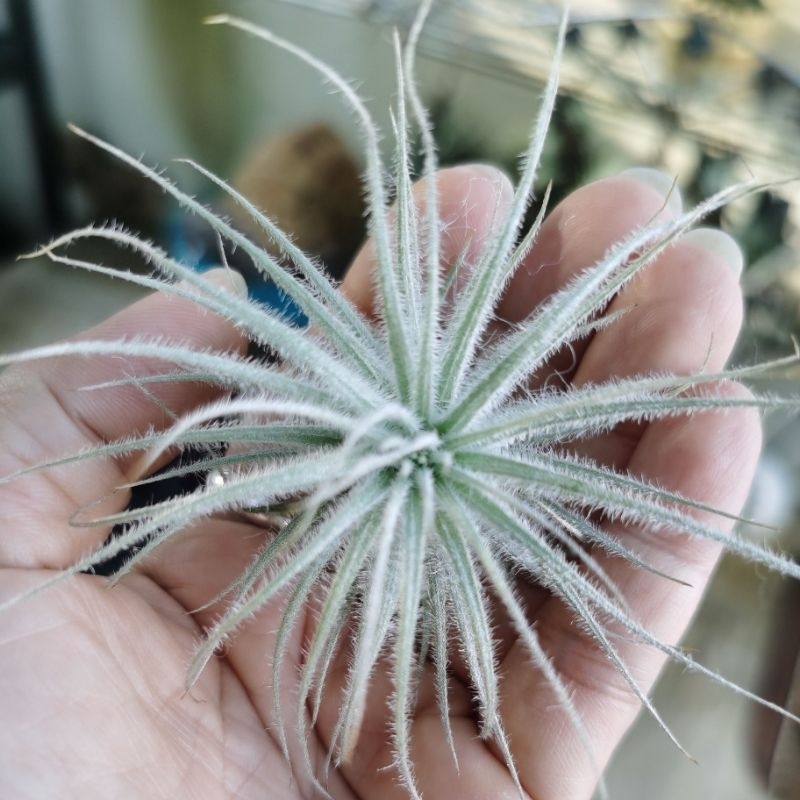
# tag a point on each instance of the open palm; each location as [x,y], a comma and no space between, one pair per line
[91,679]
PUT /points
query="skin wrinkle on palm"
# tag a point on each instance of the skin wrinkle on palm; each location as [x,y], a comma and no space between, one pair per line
[422,440]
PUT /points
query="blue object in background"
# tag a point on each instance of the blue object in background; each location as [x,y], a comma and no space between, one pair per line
[195,246]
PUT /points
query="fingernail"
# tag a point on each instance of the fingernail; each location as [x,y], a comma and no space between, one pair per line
[488,171]
[495,176]
[227,278]
[661,182]
[719,244]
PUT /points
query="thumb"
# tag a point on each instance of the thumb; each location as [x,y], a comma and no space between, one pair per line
[44,415]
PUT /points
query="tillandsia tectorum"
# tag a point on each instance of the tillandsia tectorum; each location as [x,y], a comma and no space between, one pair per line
[452,507]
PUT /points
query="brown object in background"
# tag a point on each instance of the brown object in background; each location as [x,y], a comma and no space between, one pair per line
[784,774]
[112,190]
[776,740]
[307,183]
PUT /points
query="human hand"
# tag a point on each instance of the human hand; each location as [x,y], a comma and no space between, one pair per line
[92,679]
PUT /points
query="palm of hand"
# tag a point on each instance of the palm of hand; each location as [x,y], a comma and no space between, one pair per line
[94,678]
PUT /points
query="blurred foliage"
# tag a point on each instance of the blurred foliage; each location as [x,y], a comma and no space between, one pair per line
[738,5]
[703,69]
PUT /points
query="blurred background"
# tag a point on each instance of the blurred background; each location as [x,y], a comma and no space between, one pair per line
[708,90]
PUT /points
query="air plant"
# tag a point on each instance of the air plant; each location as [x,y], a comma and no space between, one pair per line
[409,476]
